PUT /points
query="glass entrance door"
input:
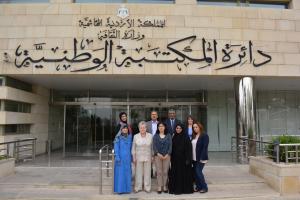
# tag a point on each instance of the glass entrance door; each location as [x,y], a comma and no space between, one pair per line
[79,129]
[142,112]
[90,126]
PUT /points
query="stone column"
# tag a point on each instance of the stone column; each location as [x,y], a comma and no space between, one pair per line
[245,117]
[294,4]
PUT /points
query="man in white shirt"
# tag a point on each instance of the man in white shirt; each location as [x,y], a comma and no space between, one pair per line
[152,124]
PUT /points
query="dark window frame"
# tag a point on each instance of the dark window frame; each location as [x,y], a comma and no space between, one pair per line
[283,4]
[16,129]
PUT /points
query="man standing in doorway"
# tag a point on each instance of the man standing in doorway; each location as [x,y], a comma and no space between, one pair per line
[171,121]
[152,124]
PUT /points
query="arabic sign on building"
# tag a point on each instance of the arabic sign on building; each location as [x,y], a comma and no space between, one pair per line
[105,50]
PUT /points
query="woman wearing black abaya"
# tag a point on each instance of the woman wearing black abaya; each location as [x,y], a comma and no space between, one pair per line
[181,179]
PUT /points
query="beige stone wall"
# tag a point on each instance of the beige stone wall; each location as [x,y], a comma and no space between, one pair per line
[284,178]
[7,167]
[274,31]
[38,118]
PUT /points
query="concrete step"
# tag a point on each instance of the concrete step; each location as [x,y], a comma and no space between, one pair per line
[55,183]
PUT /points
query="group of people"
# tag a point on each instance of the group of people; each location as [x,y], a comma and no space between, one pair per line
[176,153]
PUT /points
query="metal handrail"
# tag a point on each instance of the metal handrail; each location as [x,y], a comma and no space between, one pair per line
[106,148]
[18,147]
[289,154]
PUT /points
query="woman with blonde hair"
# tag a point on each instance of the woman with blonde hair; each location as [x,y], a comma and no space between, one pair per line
[142,156]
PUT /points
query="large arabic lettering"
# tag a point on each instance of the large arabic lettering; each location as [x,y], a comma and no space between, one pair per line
[109,48]
[185,52]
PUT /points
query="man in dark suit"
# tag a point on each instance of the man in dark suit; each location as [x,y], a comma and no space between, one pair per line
[171,121]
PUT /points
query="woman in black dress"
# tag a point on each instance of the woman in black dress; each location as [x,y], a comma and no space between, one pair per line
[181,179]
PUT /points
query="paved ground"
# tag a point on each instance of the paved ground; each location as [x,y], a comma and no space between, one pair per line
[78,178]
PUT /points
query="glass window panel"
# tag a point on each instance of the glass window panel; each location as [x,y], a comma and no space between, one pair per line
[187,96]
[244,3]
[200,114]
[10,106]
[220,119]
[268,5]
[108,96]
[14,83]
[147,95]
[11,129]
[24,1]
[126,1]
[56,126]
[14,106]
[217,3]
[2,128]
[71,96]
[278,113]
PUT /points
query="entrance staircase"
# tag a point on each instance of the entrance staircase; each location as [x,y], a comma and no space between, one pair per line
[66,183]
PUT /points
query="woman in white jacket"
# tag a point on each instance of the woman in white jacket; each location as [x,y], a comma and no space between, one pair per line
[142,158]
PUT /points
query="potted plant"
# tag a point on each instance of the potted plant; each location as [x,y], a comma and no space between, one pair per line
[282,139]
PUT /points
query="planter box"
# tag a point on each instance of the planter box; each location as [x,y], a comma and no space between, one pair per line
[284,178]
[7,167]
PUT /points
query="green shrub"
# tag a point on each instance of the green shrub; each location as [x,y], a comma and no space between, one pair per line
[283,139]
[2,157]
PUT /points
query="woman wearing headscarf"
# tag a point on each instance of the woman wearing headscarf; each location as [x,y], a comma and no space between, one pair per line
[181,176]
[122,122]
[122,169]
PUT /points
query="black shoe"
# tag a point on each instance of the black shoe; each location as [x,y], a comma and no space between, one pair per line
[166,191]
[158,192]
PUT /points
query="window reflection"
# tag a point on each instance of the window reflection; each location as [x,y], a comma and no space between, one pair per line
[246,3]
[14,106]
[14,83]
[24,1]
[131,96]
[13,129]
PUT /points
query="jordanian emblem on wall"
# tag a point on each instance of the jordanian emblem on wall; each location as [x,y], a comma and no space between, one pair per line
[123,12]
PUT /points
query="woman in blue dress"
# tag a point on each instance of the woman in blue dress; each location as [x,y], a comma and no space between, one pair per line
[122,169]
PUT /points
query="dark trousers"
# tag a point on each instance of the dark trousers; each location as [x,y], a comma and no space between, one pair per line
[200,180]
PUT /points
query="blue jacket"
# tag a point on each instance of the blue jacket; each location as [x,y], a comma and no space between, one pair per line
[122,179]
[202,147]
